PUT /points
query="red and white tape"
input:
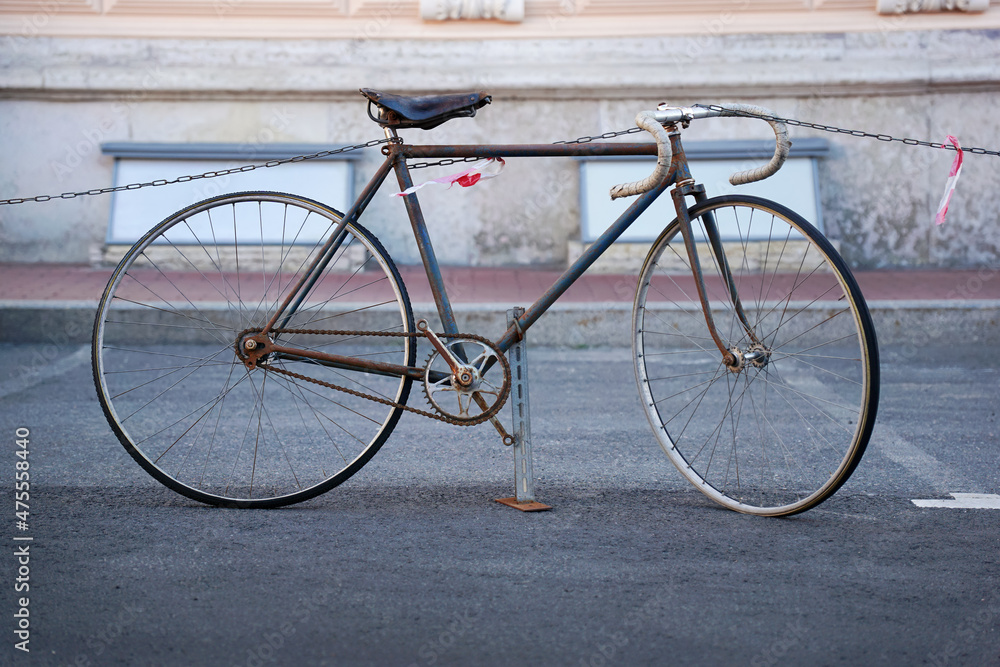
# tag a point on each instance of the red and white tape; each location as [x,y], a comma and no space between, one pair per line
[480,171]
[949,187]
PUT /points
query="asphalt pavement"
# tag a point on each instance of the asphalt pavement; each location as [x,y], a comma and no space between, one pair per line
[411,562]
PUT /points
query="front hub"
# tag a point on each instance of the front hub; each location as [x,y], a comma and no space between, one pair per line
[757,356]
[734,360]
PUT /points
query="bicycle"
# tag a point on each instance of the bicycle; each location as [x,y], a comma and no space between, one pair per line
[754,351]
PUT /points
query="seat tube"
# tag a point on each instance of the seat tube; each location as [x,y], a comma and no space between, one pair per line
[426,249]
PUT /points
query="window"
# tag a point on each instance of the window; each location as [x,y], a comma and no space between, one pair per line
[328,180]
[794,186]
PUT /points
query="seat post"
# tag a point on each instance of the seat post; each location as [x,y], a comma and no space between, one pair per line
[390,133]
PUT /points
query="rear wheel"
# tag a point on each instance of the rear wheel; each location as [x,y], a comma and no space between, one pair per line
[184,404]
[781,429]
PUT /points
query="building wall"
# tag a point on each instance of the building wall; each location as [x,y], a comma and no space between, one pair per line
[79,74]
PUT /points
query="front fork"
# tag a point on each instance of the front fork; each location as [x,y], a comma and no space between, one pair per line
[732,357]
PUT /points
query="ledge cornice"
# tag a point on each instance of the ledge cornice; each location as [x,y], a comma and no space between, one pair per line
[547,19]
[713,68]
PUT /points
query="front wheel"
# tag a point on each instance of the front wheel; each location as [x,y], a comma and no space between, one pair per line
[174,387]
[782,426]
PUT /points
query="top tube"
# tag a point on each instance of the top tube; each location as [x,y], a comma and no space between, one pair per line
[525,150]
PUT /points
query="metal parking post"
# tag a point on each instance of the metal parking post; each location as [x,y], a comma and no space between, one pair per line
[524,480]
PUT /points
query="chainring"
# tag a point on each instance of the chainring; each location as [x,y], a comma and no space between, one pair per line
[480,398]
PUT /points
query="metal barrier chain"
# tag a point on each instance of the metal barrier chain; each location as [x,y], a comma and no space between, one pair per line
[449,161]
[841,130]
[442,163]
[606,135]
[582,140]
[185,179]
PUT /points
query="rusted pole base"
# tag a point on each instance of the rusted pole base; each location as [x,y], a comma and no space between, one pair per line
[524,506]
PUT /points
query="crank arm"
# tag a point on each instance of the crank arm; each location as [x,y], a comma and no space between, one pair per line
[507,438]
[459,371]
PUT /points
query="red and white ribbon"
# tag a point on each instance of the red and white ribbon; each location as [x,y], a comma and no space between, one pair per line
[949,187]
[480,171]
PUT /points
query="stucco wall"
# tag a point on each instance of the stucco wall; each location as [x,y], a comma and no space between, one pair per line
[62,97]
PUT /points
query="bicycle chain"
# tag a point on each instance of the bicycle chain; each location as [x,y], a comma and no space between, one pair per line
[384,401]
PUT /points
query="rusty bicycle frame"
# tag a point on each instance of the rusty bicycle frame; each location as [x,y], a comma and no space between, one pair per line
[752,431]
[259,344]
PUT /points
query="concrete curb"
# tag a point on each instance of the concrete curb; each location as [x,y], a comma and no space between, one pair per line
[574,324]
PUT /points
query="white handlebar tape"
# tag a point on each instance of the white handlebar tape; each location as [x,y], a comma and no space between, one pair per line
[664,155]
[781,142]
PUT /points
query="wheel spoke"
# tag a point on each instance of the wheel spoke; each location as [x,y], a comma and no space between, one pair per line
[774,434]
[188,408]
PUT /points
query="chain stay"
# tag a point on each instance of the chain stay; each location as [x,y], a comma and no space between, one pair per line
[377,399]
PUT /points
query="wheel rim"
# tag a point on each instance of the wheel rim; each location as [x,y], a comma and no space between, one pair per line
[181,401]
[783,429]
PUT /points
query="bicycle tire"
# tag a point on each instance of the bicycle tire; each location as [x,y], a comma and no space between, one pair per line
[784,432]
[182,403]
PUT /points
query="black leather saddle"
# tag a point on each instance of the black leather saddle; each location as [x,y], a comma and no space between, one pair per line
[425,111]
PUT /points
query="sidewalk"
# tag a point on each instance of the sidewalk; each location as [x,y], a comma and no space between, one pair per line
[56,302]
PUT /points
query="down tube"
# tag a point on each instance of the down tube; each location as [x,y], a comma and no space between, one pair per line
[564,281]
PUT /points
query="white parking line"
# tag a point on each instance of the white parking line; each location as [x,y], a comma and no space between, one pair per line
[969,501]
[939,475]
[33,371]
